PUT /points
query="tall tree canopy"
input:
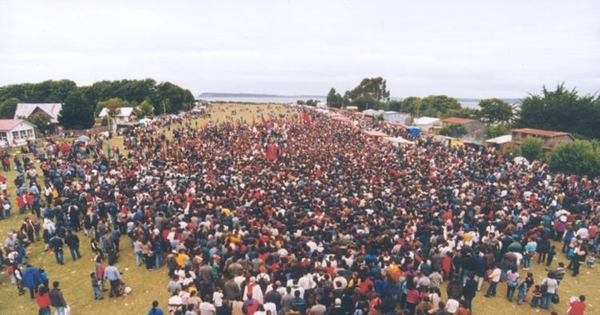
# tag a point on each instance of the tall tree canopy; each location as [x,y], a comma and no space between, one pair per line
[372,88]
[561,110]
[132,91]
[334,99]
[7,107]
[50,91]
[495,111]
[77,111]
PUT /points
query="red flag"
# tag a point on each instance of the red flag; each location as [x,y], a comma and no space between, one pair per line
[306,118]
[262,117]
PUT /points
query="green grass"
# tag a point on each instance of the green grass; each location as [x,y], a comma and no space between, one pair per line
[151,285]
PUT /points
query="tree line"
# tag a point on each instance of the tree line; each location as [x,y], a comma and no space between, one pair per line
[559,110]
[81,103]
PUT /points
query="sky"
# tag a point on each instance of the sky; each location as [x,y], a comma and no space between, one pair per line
[459,48]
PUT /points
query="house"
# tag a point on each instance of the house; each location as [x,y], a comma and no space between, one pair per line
[124,116]
[475,128]
[551,138]
[15,132]
[50,110]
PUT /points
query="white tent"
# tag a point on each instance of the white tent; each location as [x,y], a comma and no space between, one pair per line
[398,140]
[426,123]
[500,140]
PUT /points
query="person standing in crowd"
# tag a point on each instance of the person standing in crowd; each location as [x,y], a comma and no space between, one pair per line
[112,274]
[549,287]
[577,306]
[32,279]
[469,291]
[494,278]
[155,310]
[42,298]
[57,299]
[72,240]
[56,245]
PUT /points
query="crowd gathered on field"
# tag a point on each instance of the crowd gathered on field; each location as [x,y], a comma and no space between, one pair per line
[300,214]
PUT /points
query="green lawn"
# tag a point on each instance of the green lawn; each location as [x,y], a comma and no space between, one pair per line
[150,285]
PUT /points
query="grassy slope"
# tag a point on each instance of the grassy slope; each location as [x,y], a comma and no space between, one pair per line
[150,285]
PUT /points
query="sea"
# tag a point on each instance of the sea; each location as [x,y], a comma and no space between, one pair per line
[466,103]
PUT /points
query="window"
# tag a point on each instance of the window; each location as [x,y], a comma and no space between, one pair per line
[23,134]
[16,135]
[29,133]
[3,136]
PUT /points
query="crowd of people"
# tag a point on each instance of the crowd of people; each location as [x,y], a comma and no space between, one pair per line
[301,214]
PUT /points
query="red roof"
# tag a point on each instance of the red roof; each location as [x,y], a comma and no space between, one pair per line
[540,132]
[457,120]
[8,124]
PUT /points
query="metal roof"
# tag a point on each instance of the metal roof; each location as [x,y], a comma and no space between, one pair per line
[24,110]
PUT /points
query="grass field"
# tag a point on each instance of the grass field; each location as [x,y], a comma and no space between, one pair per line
[150,285]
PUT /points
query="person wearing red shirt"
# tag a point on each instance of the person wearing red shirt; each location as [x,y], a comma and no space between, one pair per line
[42,298]
[578,306]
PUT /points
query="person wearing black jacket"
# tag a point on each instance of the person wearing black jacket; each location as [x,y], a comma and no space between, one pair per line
[72,240]
[469,291]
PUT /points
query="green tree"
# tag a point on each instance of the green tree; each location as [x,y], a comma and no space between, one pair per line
[364,102]
[438,105]
[496,131]
[531,148]
[146,109]
[77,112]
[372,88]
[411,105]
[394,105]
[561,110]
[580,157]
[454,130]
[8,107]
[495,111]
[334,99]
[41,121]
[311,102]
[300,102]
[463,113]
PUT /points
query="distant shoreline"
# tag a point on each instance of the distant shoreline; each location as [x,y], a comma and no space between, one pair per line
[217,95]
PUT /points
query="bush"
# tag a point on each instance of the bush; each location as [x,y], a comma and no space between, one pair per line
[581,157]
[531,148]
[454,130]
[104,121]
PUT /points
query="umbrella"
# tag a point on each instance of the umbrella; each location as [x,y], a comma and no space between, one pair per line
[83,139]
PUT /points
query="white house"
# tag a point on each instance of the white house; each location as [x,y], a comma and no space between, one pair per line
[15,132]
[125,115]
[51,110]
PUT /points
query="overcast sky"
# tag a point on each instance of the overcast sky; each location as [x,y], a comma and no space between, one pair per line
[459,48]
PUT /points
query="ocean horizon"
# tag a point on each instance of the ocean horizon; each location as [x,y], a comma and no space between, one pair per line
[465,102]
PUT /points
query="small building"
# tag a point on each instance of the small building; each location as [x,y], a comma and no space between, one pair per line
[475,128]
[50,110]
[501,143]
[15,132]
[124,116]
[551,138]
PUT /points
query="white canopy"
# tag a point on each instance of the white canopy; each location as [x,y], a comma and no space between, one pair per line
[398,140]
